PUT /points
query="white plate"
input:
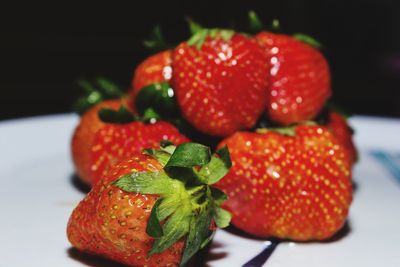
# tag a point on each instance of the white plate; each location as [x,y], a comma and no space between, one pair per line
[37,197]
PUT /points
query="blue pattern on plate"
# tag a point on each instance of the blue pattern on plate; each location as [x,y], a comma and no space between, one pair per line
[391,161]
[263,256]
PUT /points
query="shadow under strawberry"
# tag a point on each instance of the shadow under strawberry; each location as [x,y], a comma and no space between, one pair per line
[199,260]
[91,260]
[78,184]
[343,232]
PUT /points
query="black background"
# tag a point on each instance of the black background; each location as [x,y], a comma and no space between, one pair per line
[45,50]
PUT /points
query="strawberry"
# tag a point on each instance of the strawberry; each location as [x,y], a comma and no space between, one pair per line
[343,132]
[101,141]
[153,209]
[292,183]
[154,69]
[220,79]
[300,78]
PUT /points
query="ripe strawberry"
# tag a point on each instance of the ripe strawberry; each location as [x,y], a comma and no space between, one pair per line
[97,145]
[300,78]
[148,210]
[293,187]
[340,128]
[220,80]
[155,69]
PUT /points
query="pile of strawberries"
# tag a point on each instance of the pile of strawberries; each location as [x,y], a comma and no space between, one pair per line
[282,168]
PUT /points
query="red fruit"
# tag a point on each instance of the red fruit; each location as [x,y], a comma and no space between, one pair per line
[112,223]
[155,69]
[140,215]
[340,128]
[300,78]
[220,84]
[96,145]
[291,187]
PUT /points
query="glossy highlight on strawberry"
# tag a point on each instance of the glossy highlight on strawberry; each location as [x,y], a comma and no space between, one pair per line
[155,69]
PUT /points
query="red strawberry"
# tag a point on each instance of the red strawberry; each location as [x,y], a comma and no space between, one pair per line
[300,78]
[155,69]
[220,81]
[340,128]
[97,145]
[145,212]
[293,187]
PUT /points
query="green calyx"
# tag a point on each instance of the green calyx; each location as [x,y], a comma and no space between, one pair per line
[187,205]
[256,25]
[308,40]
[156,42]
[158,96]
[288,130]
[200,34]
[95,92]
[123,115]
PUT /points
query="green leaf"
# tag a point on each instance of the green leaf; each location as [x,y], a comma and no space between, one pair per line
[307,39]
[198,39]
[153,227]
[169,205]
[158,96]
[156,42]
[255,24]
[194,26]
[222,217]
[199,231]
[226,35]
[150,116]
[217,168]
[207,240]
[86,86]
[167,146]
[110,89]
[96,92]
[225,156]
[288,131]
[121,116]
[148,183]
[166,143]
[276,25]
[169,149]
[186,175]
[338,109]
[213,171]
[218,195]
[189,155]
[175,228]
[160,155]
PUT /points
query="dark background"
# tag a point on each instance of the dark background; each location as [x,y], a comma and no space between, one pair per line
[45,50]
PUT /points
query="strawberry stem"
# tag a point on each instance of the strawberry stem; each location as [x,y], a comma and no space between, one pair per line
[156,42]
[255,24]
[308,40]
[194,26]
[95,92]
